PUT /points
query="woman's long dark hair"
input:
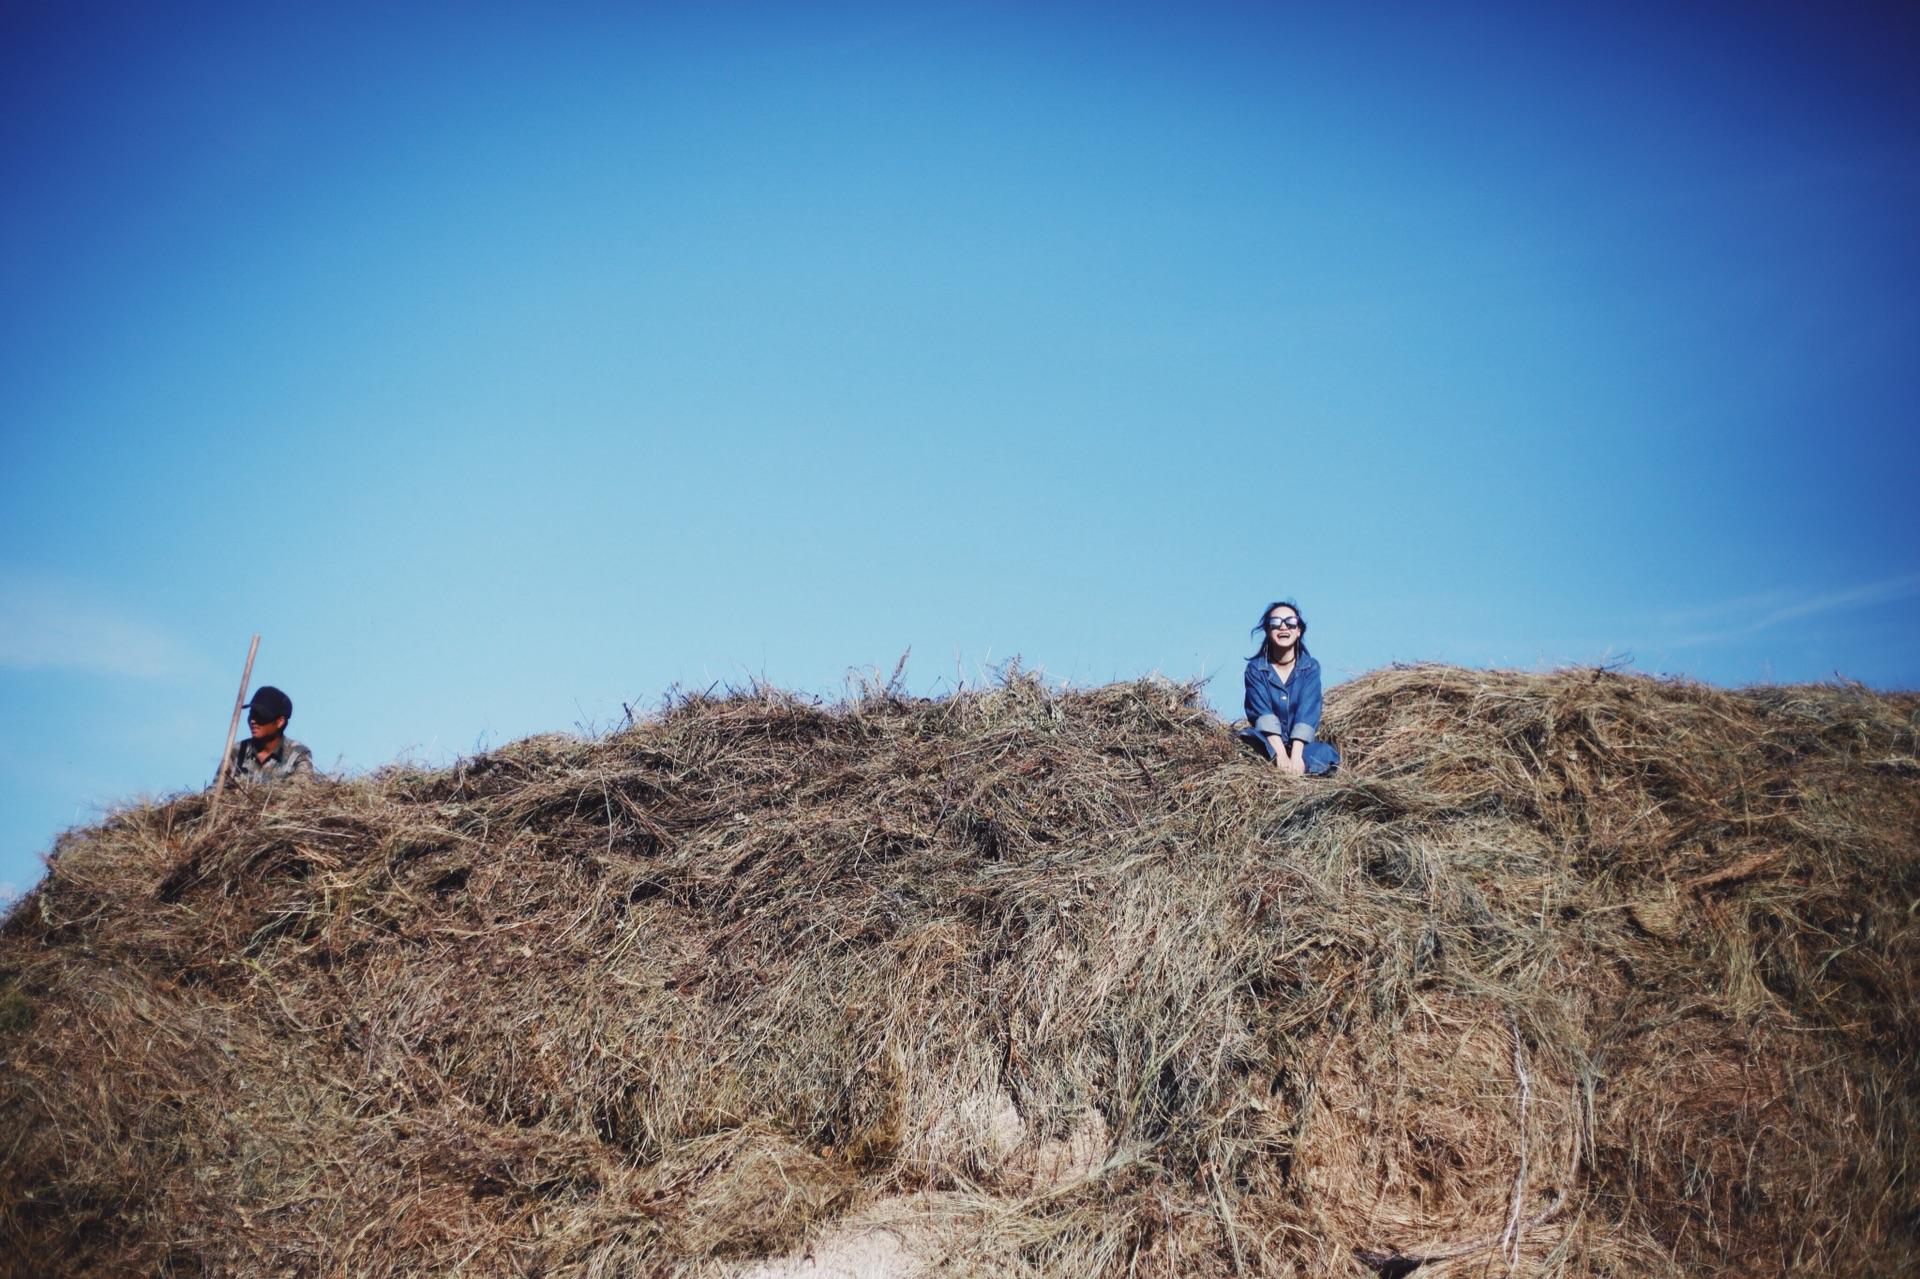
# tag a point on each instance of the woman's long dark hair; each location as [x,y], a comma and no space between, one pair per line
[1260,628]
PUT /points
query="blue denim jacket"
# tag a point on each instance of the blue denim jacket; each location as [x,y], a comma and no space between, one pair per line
[1290,710]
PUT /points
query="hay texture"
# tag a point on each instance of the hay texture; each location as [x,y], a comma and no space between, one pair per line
[1578,974]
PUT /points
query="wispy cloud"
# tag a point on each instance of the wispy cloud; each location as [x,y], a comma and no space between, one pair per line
[55,626]
[1711,613]
[1775,608]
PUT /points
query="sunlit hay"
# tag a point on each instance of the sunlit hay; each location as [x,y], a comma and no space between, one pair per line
[1576,974]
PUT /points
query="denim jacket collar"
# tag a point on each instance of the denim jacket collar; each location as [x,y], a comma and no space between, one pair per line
[1301,664]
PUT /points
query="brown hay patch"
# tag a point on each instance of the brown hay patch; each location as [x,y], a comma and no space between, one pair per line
[1091,988]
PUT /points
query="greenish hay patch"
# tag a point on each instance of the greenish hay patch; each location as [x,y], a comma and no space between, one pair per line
[16,1012]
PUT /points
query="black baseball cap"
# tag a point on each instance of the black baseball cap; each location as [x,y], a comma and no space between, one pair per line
[268,704]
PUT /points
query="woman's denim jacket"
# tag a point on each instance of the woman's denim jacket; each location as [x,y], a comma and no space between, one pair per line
[1289,710]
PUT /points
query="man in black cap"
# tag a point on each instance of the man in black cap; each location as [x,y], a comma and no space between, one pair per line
[270,755]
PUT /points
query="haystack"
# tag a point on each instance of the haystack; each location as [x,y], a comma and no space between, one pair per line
[1579,974]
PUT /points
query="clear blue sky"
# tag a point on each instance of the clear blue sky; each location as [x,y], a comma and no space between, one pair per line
[505,363]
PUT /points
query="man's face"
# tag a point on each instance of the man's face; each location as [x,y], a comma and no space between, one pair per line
[268,730]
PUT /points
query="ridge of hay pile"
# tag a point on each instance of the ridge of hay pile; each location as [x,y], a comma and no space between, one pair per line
[1577,974]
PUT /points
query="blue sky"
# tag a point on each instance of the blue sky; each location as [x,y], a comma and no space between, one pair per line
[504,366]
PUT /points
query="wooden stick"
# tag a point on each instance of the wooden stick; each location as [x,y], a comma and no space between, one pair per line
[1510,1237]
[226,751]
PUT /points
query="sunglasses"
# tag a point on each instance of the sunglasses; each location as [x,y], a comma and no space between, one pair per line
[1283,623]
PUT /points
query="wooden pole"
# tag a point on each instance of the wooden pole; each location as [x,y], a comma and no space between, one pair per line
[226,751]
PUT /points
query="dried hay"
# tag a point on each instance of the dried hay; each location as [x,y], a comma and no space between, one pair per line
[1577,974]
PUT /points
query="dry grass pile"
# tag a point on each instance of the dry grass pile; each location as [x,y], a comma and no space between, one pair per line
[1577,974]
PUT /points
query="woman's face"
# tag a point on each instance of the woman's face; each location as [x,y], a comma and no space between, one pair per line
[1283,627]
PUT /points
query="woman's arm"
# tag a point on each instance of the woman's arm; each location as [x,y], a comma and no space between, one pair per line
[1306,706]
[1256,699]
[1261,713]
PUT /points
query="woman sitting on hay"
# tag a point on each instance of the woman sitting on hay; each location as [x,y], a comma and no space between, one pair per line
[1283,695]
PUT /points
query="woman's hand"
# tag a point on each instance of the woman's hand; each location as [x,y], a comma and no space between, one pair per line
[1294,762]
